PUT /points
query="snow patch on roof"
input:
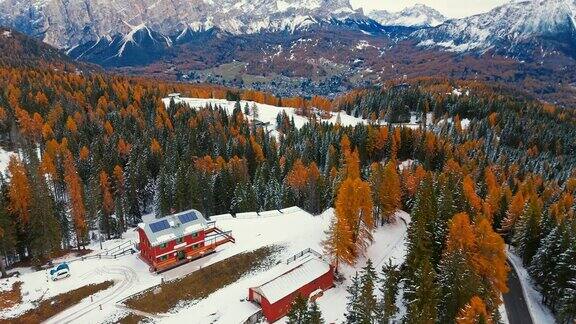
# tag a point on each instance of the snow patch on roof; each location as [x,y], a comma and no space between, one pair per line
[301,274]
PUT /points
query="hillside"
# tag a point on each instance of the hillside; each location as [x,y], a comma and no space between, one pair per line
[475,165]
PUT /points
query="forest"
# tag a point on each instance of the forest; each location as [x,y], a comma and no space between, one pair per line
[96,152]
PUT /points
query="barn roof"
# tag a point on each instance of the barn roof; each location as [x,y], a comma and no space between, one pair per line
[301,273]
[171,227]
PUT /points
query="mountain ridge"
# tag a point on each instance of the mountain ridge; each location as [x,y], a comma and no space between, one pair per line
[418,15]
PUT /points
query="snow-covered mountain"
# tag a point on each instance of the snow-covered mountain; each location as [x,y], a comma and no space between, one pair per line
[66,24]
[515,29]
[417,16]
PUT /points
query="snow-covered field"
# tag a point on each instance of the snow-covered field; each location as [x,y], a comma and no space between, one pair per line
[294,229]
[539,312]
[129,274]
[268,113]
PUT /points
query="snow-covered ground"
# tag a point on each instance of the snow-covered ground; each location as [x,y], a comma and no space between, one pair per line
[268,113]
[539,312]
[129,274]
[4,159]
[293,229]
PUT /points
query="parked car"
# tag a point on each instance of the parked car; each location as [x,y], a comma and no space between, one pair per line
[60,271]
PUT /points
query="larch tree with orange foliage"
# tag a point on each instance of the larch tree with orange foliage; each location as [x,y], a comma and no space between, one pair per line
[107,201]
[474,313]
[76,198]
[351,232]
[474,201]
[490,263]
[514,211]
[458,280]
[386,189]
[19,191]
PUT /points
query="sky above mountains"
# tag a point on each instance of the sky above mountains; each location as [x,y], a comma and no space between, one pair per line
[450,8]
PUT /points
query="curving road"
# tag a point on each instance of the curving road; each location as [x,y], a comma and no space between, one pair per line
[516,306]
[109,296]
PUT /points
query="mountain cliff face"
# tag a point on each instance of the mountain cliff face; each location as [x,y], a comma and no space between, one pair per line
[322,44]
[416,16]
[516,29]
[66,24]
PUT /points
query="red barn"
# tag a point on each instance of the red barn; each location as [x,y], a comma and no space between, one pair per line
[176,239]
[308,276]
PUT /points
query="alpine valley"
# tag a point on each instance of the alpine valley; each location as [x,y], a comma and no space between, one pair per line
[306,47]
[294,161]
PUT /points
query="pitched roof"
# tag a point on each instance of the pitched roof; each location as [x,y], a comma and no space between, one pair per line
[301,273]
[171,227]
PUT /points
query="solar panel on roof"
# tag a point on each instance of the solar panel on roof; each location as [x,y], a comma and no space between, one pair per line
[159,226]
[188,217]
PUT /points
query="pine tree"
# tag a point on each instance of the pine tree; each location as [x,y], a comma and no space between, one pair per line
[45,234]
[314,314]
[353,301]
[366,298]
[527,231]
[544,262]
[422,306]
[298,313]
[389,289]
[420,237]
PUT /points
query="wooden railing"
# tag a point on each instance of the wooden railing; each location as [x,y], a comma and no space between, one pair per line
[303,253]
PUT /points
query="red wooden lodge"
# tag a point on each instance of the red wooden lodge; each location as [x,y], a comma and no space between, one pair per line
[173,240]
[307,276]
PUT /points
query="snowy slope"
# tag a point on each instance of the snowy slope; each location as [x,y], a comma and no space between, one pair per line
[295,231]
[129,274]
[266,113]
[65,24]
[416,16]
[506,27]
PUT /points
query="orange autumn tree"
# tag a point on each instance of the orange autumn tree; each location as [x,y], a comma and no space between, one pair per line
[474,201]
[474,262]
[19,190]
[297,177]
[474,313]
[386,189]
[457,277]
[351,231]
[107,200]
[75,195]
[490,260]
[514,211]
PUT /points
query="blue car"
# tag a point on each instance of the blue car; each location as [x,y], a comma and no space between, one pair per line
[60,271]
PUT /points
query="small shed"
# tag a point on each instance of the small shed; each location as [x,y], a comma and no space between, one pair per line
[308,276]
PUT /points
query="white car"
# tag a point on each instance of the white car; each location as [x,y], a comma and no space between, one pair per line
[60,272]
